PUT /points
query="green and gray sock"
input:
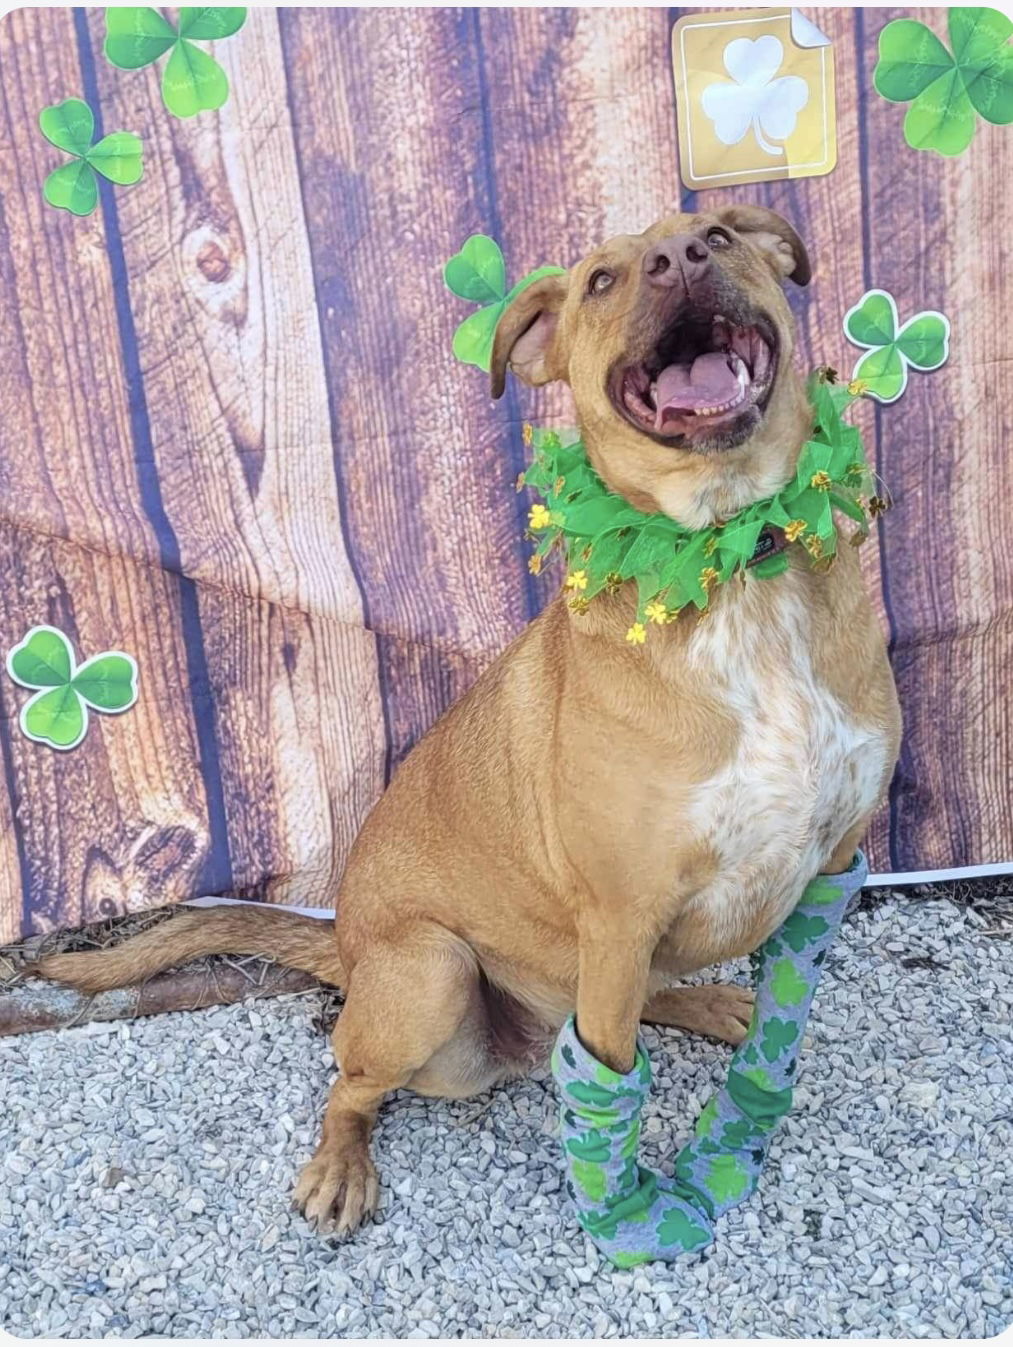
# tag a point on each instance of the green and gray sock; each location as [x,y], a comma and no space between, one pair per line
[634,1215]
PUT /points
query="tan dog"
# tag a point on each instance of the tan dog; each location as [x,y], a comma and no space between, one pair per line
[595,818]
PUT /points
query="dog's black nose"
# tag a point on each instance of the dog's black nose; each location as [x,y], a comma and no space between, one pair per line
[679,260]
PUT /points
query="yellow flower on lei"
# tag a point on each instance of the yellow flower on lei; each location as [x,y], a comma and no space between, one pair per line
[539,517]
[576,580]
[637,634]
[795,529]
[656,612]
[708,576]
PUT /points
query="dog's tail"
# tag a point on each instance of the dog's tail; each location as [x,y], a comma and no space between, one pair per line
[295,941]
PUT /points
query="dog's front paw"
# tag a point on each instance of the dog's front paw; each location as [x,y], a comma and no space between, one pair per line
[338,1189]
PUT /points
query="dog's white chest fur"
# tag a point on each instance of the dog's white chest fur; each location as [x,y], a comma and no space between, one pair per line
[804,770]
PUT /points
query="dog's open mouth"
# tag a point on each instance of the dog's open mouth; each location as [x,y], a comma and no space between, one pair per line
[707,382]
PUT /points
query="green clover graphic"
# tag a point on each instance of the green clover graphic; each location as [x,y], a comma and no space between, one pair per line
[590,1179]
[923,343]
[192,81]
[478,273]
[735,1135]
[58,713]
[70,126]
[787,986]
[726,1178]
[777,1035]
[593,1148]
[675,1227]
[946,91]
[799,930]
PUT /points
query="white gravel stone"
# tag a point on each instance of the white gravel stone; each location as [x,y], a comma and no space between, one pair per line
[886,1209]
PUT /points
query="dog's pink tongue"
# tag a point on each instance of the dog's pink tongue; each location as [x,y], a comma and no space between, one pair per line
[707,382]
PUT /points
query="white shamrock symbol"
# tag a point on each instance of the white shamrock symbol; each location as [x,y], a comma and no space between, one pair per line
[770,106]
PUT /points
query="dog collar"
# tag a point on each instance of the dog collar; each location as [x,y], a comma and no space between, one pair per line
[606,542]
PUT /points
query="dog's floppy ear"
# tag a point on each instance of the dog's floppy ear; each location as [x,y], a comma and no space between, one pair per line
[526,333]
[775,238]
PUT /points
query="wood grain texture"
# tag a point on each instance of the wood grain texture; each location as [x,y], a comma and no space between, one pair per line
[937,241]
[220,281]
[234,441]
[389,112]
[106,827]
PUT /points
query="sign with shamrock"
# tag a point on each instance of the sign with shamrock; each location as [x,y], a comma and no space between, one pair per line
[754,92]
[478,273]
[947,91]
[192,81]
[757,99]
[923,343]
[57,714]
[70,126]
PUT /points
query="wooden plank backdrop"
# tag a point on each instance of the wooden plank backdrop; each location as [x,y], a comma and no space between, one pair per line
[234,442]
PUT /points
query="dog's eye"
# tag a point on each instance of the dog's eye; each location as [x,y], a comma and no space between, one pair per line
[717,238]
[599,282]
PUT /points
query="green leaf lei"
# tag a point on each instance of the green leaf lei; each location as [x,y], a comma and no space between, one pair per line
[606,541]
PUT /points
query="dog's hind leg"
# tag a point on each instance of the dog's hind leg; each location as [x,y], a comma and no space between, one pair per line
[413,1018]
[720,1010]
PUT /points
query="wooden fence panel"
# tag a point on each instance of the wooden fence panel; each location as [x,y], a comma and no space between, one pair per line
[227,336]
[235,442]
[105,826]
[936,240]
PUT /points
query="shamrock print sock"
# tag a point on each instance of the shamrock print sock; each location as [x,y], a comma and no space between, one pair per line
[722,1163]
[634,1215]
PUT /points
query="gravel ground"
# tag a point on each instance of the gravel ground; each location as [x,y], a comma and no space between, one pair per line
[148,1167]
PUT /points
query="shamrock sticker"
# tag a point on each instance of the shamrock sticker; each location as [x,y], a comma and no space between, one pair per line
[946,91]
[478,273]
[755,101]
[58,713]
[192,81]
[923,343]
[70,126]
